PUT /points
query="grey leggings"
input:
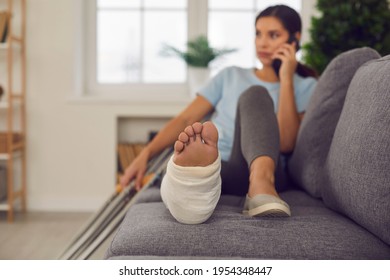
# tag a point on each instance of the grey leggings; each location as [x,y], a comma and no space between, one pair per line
[256,134]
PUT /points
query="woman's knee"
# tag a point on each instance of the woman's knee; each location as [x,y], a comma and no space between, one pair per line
[256,96]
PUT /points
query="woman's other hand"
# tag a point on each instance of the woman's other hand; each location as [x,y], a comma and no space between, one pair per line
[136,170]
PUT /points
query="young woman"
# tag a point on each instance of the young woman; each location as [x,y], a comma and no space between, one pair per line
[256,117]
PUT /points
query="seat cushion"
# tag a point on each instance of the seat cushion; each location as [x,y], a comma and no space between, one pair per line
[358,164]
[313,232]
[321,117]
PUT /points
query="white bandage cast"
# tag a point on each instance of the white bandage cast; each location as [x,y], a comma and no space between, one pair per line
[191,193]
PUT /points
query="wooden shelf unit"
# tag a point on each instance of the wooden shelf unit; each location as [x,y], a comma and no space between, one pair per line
[13,103]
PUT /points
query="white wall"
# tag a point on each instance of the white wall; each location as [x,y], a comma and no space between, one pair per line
[71,144]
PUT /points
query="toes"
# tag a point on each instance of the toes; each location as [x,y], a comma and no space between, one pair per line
[179,146]
[210,133]
[197,127]
[183,137]
[189,131]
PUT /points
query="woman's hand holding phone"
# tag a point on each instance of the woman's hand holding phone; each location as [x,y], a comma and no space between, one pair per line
[285,61]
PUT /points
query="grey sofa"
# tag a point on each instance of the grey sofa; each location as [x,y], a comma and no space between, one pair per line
[340,185]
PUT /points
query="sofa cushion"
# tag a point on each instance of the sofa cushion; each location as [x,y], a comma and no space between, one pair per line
[358,164]
[313,232]
[151,194]
[321,117]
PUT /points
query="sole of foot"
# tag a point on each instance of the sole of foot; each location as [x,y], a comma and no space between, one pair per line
[197,145]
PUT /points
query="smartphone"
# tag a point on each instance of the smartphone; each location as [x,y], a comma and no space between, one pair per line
[276,63]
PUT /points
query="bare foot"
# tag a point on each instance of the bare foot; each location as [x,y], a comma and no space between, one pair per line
[197,145]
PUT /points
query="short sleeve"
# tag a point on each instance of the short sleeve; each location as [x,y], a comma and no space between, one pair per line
[213,89]
[303,93]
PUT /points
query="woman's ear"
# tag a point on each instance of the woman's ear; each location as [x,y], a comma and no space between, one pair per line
[297,35]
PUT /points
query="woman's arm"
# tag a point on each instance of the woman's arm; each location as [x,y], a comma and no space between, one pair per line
[288,117]
[194,112]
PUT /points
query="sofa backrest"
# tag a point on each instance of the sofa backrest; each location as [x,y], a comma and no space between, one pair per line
[321,117]
[358,165]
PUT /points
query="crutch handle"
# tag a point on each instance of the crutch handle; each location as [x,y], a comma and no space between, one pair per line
[147,178]
[118,188]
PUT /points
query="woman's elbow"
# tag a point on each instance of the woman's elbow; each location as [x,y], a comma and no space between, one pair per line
[288,138]
[287,146]
[286,149]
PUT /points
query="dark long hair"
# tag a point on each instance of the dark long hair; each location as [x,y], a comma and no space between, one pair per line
[291,21]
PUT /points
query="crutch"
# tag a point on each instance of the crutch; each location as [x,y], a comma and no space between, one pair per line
[91,221]
[95,216]
[99,221]
[111,207]
[115,222]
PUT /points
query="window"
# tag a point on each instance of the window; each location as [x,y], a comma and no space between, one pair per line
[124,39]
[130,35]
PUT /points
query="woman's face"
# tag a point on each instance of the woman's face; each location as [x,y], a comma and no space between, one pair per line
[270,35]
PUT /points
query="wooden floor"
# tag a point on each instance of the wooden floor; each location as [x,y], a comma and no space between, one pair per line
[41,235]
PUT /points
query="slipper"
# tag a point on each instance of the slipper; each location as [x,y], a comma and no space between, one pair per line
[265,205]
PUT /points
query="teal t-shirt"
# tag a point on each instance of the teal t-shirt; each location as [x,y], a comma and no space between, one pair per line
[224,90]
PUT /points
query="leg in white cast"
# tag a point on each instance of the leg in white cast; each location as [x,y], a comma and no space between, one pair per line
[192,185]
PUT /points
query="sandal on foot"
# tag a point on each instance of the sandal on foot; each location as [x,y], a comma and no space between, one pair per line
[265,205]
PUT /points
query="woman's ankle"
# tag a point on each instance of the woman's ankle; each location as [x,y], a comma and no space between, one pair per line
[262,178]
[262,186]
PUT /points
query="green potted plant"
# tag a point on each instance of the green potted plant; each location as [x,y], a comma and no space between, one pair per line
[345,25]
[198,55]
